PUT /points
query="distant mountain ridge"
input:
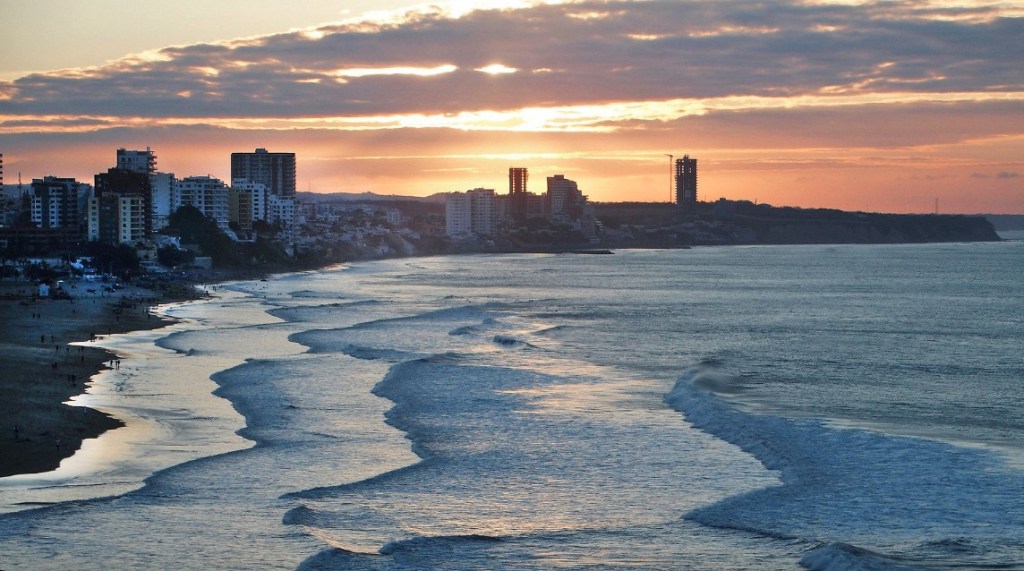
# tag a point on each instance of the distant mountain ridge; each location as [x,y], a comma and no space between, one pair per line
[367,197]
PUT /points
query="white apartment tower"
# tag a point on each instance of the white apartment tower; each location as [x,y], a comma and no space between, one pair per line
[457,215]
[281,209]
[257,192]
[470,213]
[206,193]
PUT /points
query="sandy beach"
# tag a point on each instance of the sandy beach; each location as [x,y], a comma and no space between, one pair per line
[42,370]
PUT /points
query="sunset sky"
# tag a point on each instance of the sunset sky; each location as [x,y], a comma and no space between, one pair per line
[877,106]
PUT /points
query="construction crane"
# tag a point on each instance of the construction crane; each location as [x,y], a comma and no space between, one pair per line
[670,185]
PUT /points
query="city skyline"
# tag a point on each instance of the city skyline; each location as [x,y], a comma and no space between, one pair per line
[855,105]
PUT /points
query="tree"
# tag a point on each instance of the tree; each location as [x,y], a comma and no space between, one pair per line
[264,227]
[191,225]
[170,256]
[120,260]
[195,228]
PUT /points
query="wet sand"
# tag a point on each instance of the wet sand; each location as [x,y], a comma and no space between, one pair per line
[40,370]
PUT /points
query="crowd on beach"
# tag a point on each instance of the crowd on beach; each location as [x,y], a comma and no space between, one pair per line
[54,333]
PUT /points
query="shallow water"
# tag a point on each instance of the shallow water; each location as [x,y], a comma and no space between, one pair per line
[772,407]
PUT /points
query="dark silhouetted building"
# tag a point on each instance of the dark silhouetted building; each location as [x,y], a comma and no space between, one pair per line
[518,198]
[565,201]
[60,203]
[276,171]
[686,183]
[119,212]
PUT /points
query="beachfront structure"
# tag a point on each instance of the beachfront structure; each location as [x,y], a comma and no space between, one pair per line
[686,183]
[161,201]
[109,188]
[470,213]
[281,210]
[240,209]
[457,215]
[207,194]
[276,171]
[164,185]
[258,193]
[247,203]
[565,201]
[117,219]
[59,203]
[566,204]
[481,205]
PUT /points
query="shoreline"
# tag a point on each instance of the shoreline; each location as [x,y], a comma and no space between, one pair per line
[46,364]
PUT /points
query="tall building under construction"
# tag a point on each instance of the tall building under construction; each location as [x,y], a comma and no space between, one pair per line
[686,183]
[518,198]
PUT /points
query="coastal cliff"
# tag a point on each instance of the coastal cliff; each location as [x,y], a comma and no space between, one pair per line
[742,223]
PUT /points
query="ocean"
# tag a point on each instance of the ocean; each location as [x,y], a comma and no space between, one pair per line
[776,407]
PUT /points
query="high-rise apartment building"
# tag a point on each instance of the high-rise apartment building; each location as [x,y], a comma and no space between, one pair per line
[248,202]
[117,218]
[127,195]
[457,215]
[207,194]
[137,161]
[470,213]
[276,171]
[164,185]
[482,208]
[686,182]
[566,204]
[159,205]
[565,201]
[60,203]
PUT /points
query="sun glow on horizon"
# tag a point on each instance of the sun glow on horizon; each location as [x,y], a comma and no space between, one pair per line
[394,96]
[497,69]
[399,70]
[592,118]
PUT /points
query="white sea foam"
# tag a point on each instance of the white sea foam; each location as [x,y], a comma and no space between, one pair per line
[849,486]
[165,399]
[558,450]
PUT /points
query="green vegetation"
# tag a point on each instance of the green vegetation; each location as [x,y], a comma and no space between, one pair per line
[199,232]
[120,260]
